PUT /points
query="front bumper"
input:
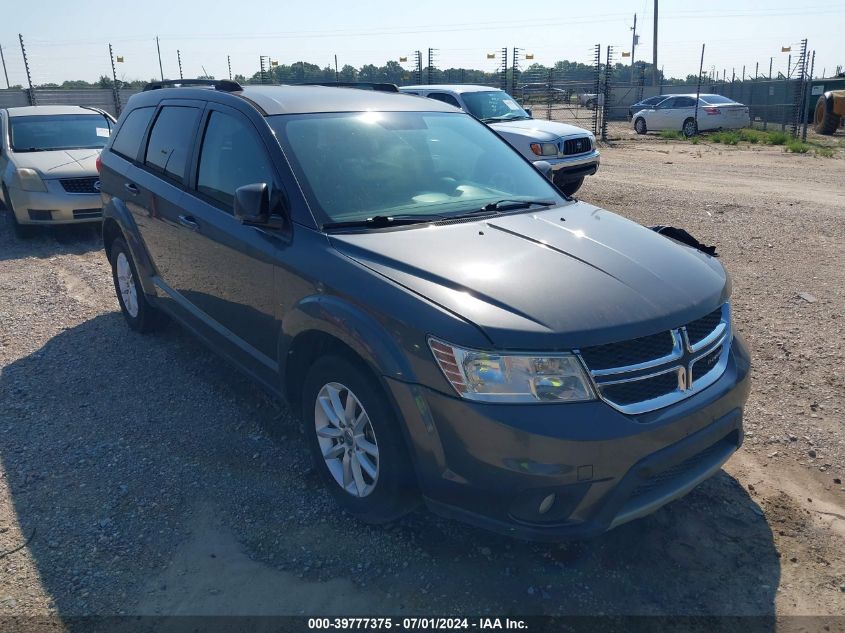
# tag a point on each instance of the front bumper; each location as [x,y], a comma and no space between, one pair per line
[55,206]
[572,168]
[493,465]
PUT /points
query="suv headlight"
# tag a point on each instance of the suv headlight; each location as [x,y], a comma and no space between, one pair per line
[544,149]
[501,377]
[29,180]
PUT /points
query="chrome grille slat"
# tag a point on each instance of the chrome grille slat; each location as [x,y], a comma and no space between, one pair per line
[657,382]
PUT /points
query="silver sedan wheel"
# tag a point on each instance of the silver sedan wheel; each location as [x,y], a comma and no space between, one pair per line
[126,284]
[347,440]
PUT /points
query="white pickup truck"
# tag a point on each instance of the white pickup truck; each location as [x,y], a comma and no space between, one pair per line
[570,150]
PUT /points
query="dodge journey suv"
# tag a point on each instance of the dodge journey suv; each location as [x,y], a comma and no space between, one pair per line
[448,325]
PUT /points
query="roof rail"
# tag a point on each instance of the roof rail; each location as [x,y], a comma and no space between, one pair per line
[361,85]
[225,85]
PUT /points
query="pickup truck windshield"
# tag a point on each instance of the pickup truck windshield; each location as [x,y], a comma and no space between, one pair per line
[43,133]
[492,106]
[358,165]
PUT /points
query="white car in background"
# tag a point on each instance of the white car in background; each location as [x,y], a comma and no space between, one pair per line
[677,112]
[48,172]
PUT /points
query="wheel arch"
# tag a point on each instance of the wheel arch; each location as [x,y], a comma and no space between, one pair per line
[323,324]
[118,222]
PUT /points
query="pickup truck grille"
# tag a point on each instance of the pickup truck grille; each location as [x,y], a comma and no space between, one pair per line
[580,145]
[81,185]
[651,372]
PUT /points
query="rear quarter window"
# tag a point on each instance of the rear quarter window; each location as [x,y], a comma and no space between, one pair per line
[127,143]
[170,141]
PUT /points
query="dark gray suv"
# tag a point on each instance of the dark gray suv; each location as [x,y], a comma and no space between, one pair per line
[447,324]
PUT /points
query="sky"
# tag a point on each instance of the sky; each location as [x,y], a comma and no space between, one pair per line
[69,40]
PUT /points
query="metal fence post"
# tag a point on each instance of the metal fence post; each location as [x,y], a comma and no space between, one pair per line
[115,85]
[808,96]
[605,97]
[550,95]
[31,92]
[597,62]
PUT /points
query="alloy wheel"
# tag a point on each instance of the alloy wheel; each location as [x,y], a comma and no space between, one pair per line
[347,440]
[126,284]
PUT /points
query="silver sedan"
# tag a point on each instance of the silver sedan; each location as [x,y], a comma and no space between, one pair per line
[48,171]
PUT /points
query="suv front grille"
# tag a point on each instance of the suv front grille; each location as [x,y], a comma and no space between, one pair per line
[577,146]
[652,372]
[81,185]
[633,352]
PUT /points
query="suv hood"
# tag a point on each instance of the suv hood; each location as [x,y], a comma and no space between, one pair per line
[532,281]
[538,129]
[65,163]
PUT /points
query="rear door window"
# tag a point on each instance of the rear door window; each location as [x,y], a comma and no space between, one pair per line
[170,141]
[684,102]
[128,139]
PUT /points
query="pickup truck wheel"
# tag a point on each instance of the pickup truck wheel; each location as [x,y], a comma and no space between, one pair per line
[355,441]
[139,314]
[22,231]
[640,126]
[571,187]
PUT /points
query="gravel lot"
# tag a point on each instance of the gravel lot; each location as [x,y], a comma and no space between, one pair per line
[151,478]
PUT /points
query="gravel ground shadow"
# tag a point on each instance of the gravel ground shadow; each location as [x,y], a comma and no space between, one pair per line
[121,452]
[49,240]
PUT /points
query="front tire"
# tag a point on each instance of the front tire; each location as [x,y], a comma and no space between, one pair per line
[22,231]
[139,314]
[640,126]
[356,442]
[569,188]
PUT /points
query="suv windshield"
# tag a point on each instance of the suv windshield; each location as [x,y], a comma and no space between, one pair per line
[493,106]
[42,133]
[353,165]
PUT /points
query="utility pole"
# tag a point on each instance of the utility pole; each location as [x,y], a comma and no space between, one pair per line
[115,86]
[179,57]
[808,83]
[160,67]
[3,58]
[771,60]
[32,100]
[654,52]
[633,46]
[336,73]
[229,62]
[514,69]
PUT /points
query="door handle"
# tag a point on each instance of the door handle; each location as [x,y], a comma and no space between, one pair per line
[131,188]
[189,222]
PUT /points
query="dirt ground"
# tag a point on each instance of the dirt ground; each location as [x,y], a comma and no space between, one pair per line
[145,476]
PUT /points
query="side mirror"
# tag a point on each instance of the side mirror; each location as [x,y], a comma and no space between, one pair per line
[544,168]
[528,112]
[252,203]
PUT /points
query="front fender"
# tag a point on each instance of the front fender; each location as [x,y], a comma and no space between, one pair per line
[115,212]
[352,326]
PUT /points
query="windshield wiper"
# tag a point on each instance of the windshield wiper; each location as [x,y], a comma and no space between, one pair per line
[30,149]
[384,221]
[508,204]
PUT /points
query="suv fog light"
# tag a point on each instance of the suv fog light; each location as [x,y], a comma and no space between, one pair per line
[546,504]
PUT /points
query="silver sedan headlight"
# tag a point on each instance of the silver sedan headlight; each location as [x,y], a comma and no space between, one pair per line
[29,180]
[513,378]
